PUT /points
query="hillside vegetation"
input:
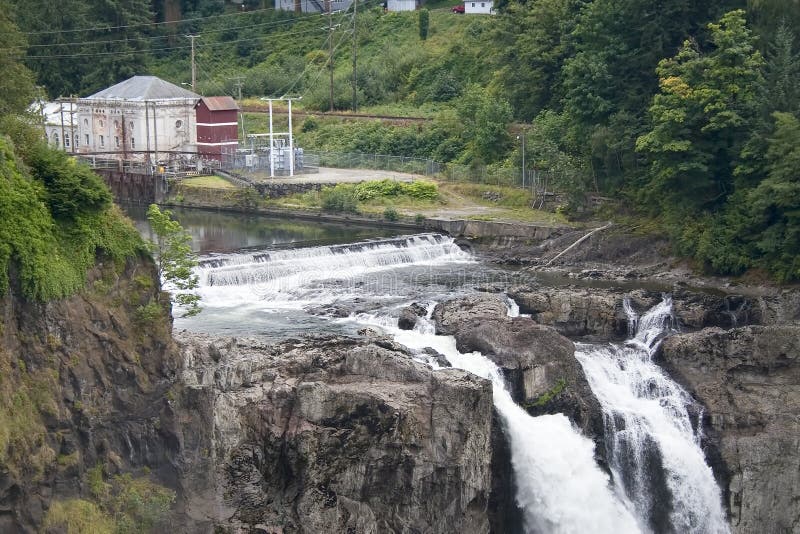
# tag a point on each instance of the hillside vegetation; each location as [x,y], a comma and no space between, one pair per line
[685,112]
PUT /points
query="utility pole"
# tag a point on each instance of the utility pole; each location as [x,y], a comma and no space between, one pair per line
[330,49]
[194,70]
[355,55]
[238,83]
[523,159]
[72,121]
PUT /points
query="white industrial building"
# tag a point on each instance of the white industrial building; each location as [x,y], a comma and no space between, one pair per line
[141,117]
[58,122]
[485,8]
[402,5]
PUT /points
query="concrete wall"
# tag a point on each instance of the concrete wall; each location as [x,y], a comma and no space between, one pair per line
[132,187]
[269,190]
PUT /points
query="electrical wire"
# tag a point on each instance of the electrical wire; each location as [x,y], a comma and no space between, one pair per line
[155,37]
[181,47]
[147,24]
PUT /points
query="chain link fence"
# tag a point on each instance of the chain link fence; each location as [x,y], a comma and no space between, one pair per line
[384,162]
[534,180]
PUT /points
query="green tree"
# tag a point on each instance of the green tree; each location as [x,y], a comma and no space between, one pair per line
[175,259]
[72,188]
[424,23]
[16,81]
[484,118]
[701,118]
[782,72]
[532,39]
[81,46]
[774,205]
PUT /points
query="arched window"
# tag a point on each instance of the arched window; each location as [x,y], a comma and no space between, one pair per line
[86,122]
[66,140]
[55,139]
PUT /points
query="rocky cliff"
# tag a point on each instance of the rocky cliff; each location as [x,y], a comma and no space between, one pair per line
[82,386]
[749,381]
[333,434]
[538,363]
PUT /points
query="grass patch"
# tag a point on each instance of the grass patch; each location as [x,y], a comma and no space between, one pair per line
[78,516]
[24,397]
[212,182]
[546,397]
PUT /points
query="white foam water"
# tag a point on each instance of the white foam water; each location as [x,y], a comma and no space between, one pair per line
[560,488]
[295,278]
[649,429]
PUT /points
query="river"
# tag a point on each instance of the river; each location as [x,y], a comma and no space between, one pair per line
[275,278]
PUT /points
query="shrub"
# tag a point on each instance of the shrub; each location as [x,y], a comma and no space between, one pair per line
[72,188]
[78,515]
[390,214]
[340,198]
[424,23]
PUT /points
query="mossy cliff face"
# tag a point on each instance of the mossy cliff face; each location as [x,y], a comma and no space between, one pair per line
[83,382]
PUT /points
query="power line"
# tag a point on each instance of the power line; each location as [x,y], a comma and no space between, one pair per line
[154,37]
[180,47]
[146,24]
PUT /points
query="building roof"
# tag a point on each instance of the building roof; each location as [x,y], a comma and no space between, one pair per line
[144,88]
[220,103]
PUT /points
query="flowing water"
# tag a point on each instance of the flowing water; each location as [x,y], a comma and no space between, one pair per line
[277,279]
[560,488]
[652,445]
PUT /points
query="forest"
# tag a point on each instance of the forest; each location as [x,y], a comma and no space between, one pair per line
[685,114]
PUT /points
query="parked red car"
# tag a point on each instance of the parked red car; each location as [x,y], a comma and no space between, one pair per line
[458,9]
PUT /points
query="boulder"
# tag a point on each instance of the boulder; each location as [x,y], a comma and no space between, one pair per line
[461,314]
[409,315]
[333,434]
[537,362]
[575,312]
[749,381]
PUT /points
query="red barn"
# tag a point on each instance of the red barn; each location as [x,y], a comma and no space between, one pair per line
[217,126]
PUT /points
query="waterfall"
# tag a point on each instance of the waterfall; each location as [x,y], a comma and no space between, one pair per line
[653,449]
[287,268]
[295,278]
[560,488]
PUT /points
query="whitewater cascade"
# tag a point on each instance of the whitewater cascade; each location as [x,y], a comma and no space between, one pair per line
[296,277]
[560,488]
[287,268]
[652,446]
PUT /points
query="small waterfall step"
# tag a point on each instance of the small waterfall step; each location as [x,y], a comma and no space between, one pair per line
[328,261]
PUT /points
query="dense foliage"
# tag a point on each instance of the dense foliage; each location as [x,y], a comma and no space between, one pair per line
[51,241]
[683,111]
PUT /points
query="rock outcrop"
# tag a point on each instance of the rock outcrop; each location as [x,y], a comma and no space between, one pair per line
[333,434]
[598,313]
[538,363]
[749,380]
[82,386]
